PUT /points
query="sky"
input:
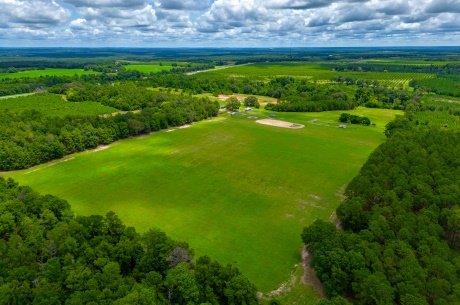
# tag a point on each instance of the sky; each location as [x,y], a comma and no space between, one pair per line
[229,23]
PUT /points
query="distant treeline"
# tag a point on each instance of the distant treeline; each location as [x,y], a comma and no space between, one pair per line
[49,256]
[30,138]
[40,64]
[440,69]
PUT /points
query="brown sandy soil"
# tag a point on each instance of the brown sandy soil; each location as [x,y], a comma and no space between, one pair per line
[99,148]
[117,113]
[223,97]
[309,277]
[278,123]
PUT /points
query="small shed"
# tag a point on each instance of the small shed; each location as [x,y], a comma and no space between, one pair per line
[247,109]
[342,126]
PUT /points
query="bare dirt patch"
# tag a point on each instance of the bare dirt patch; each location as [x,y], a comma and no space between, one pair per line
[223,97]
[108,115]
[340,191]
[313,204]
[335,220]
[315,197]
[103,147]
[309,277]
[184,126]
[278,123]
[252,117]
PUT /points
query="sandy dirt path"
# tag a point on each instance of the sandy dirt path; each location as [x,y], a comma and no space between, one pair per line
[278,123]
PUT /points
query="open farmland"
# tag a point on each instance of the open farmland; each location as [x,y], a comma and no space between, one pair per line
[314,72]
[53,105]
[236,190]
[47,72]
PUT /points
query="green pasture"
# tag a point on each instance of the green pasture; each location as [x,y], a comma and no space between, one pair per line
[148,68]
[312,71]
[47,72]
[234,189]
[53,105]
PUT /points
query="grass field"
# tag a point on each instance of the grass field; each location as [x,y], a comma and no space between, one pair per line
[236,190]
[53,105]
[148,68]
[261,71]
[47,72]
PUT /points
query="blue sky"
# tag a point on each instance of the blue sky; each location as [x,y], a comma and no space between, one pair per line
[229,23]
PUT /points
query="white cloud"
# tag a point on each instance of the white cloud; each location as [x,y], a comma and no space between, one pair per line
[32,13]
[230,22]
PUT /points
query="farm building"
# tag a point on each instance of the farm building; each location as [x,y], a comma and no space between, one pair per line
[342,126]
[247,109]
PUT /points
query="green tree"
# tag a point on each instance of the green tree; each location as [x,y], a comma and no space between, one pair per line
[181,285]
[232,103]
[251,101]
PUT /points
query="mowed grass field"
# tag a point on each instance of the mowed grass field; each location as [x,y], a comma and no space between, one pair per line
[234,189]
[313,71]
[47,72]
[53,105]
[148,68]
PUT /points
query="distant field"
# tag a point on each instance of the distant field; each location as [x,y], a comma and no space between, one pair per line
[53,105]
[236,190]
[49,72]
[148,68]
[266,70]
[407,62]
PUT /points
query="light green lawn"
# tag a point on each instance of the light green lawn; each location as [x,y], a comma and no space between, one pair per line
[236,190]
[48,72]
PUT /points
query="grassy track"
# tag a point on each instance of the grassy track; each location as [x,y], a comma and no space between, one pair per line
[53,105]
[234,189]
[47,72]
[148,68]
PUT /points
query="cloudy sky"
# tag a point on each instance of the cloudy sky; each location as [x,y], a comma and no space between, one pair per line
[229,23]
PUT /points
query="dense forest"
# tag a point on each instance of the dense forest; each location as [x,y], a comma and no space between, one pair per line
[48,256]
[400,222]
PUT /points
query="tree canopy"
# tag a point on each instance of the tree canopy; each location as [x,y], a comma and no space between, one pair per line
[49,256]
